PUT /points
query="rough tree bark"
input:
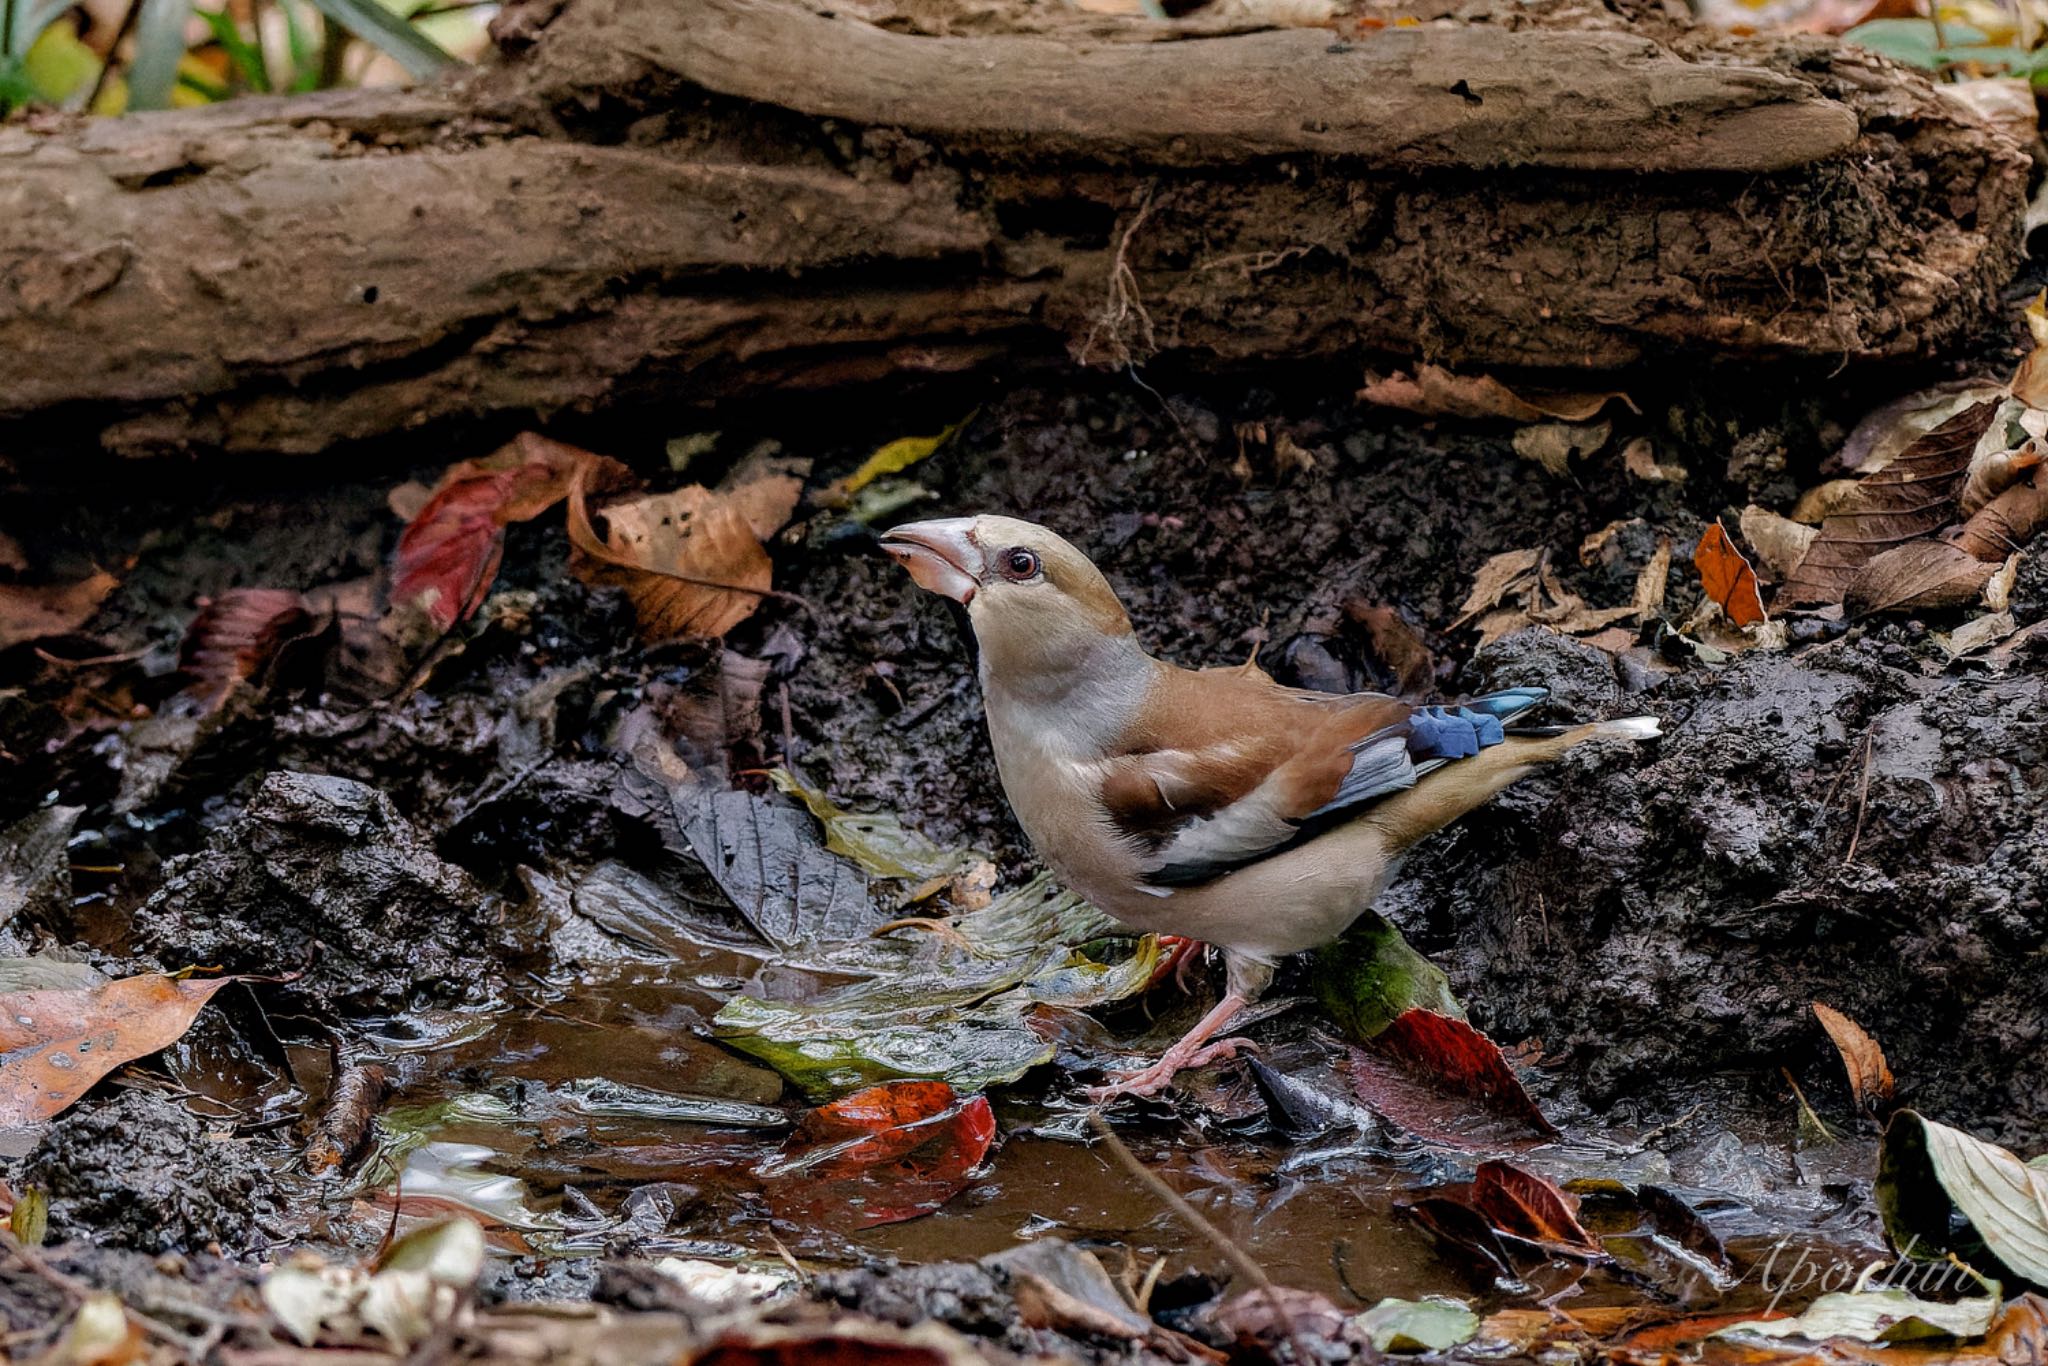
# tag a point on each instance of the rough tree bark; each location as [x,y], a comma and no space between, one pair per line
[732,196]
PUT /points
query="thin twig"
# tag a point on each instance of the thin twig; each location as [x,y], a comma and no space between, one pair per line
[99,82]
[1862,796]
[79,1290]
[1199,1224]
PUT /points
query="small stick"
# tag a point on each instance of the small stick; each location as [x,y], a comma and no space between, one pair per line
[351,1107]
[1862,796]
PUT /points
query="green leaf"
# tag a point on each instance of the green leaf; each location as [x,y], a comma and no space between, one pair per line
[1370,977]
[880,843]
[159,47]
[248,62]
[29,1220]
[26,23]
[1876,1316]
[1927,1173]
[1912,41]
[374,24]
[1431,1325]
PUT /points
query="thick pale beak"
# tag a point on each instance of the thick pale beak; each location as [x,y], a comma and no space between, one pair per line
[941,555]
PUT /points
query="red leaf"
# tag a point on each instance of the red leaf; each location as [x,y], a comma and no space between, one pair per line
[1440,1078]
[1527,1206]
[882,1155]
[448,555]
[1727,577]
[235,637]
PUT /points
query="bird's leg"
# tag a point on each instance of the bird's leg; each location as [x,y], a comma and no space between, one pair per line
[1193,1050]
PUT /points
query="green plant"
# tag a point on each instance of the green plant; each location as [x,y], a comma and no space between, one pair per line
[1951,47]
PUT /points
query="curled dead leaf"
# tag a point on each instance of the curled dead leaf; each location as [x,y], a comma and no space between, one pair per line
[1553,444]
[1499,576]
[1780,542]
[1727,577]
[1655,576]
[235,637]
[1639,457]
[691,560]
[1433,391]
[34,611]
[1870,1077]
[1923,575]
[2008,521]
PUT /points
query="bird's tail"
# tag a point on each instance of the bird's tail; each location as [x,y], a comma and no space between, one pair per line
[1448,792]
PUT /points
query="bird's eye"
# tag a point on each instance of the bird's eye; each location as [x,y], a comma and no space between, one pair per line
[1019,564]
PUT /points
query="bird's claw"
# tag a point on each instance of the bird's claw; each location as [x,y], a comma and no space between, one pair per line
[1178,960]
[1150,1081]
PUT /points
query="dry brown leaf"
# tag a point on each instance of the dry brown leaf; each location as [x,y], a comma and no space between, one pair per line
[1998,591]
[1553,444]
[1591,549]
[54,1043]
[1648,599]
[1870,1078]
[1913,497]
[1978,633]
[235,637]
[1496,579]
[1779,542]
[34,611]
[1435,392]
[1886,432]
[1992,473]
[1506,622]
[691,561]
[1823,501]
[1639,457]
[1921,575]
[2030,381]
[2006,523]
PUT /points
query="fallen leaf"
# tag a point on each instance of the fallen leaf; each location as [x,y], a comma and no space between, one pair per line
[1888,431]
[1998,591]
[1912,497]
[1870,1077]
[879,842]
[1061,1287]
[1639,457]
[2030,380]
[1371,976]
[1553,444]
[1918,576]
[1978,633]
[1824,500]
[1432,1325]
[1438,1077]
[1727,577]
[1648,599]
[235,637]
[1435,392]
[892,457]
[1875,1316]
[691,560]
[449,552]
[1927,1173]
[1526,1206]
[1780,542]
[1992,473]
[2008,522]
[881,1155]
[54,1044]
[1499,576]
[35,611]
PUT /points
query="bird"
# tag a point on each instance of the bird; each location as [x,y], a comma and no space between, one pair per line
[1210,804]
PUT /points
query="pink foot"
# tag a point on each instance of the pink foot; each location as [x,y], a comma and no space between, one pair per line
[1152,1080]
[1181,954]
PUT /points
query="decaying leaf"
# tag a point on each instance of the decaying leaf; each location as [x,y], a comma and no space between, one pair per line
[54,1044]
[425,1277]
[1370,977]
[879,842]
[891,457]
[1431,1325]
[1553,444]
[1780,542]
[691,560]
[448,554]
[1639,457]
[236,636]
[1993,472]
[2006,523]
[1876,1316]
[1437,1076]
[1998,591]
[1928,1173]
[1923,575]
[2030,381]
[1526,1206]
[1502,574]
[35,611]
[1978,633]
[1870,1077]
[881,1155]
[1727,577]
[1651,582]
[1435,392]
[1888,431]
[1911,498]
[1823,501]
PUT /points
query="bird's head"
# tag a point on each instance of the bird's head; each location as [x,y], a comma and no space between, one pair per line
[1040,608]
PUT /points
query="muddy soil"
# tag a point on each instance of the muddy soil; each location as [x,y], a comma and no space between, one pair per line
[469,897]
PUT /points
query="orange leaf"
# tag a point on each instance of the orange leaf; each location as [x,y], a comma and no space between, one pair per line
[1870,1077]
[30,612]
[1727,577]
[55,1044]
[881,1155]
[691,560]
[1526,1205]
[236,635]
[449,553]
[1438,1077]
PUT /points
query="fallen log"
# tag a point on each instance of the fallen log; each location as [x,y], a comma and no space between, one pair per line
[738,196]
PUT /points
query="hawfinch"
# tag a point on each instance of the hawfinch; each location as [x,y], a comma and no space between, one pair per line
[1209,804]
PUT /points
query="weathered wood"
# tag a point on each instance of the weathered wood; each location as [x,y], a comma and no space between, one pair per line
[736,196]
